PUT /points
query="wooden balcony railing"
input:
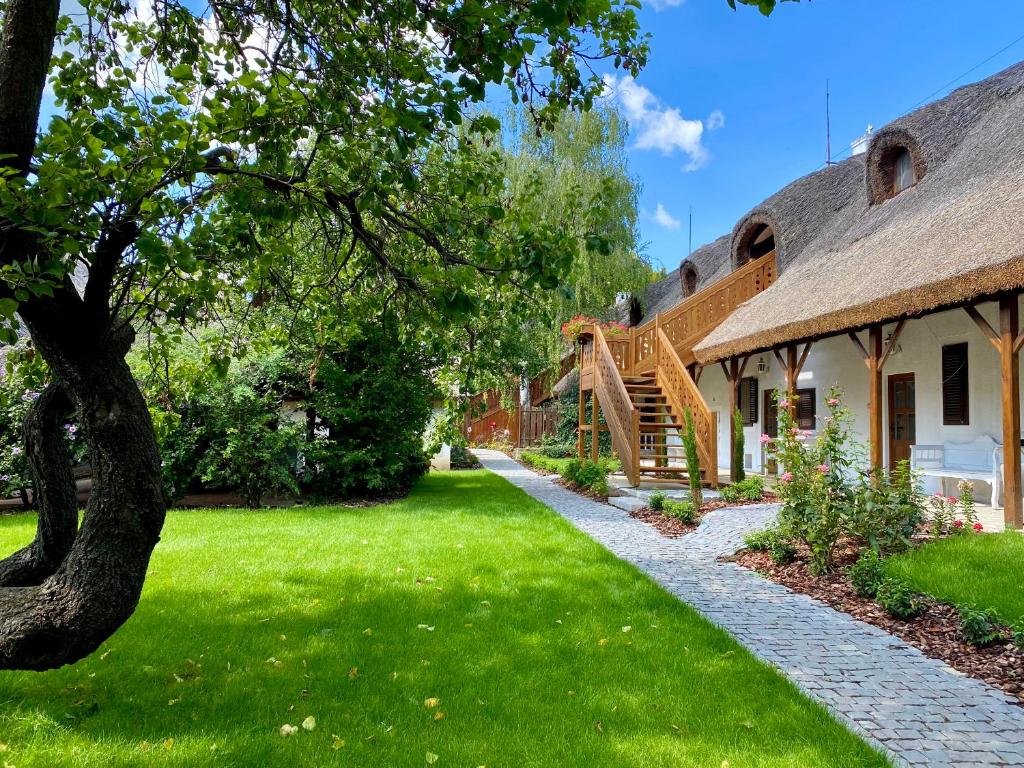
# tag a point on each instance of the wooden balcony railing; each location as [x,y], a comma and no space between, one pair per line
[694,318]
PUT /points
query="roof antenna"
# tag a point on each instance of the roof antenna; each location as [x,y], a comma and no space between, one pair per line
[689,247]
[828,128]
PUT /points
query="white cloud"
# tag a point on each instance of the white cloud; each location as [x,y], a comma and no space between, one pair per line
[715,120]
[661,5]
[657,126]
[664,218]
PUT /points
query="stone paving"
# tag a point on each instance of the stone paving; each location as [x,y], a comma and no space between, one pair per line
[917,709]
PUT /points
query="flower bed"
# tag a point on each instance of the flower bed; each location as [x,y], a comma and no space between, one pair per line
[675,522]
[936,630]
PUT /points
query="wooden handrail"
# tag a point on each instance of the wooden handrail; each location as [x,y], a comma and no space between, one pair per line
[619,412]
[692,319]
[683,393]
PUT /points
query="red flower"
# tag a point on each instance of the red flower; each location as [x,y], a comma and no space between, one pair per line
[977,526]
[958,523]
[493,424]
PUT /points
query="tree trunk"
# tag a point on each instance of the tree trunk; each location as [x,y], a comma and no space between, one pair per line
[97,586]
[55,495]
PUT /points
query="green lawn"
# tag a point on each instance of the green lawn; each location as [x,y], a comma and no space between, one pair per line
[984,571]
[466,622]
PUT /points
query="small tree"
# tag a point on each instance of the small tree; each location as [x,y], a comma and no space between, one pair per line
[692,461]
[737,472]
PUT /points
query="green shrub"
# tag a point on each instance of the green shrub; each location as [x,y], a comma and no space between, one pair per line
[1017,634]
[867,573]
[657,501]
[588,475]
[886,508]
[979,627]
[463,458]
[760,541]
[683,510]
[537,461]
[693,460]
[738,472]
[781,550]
[751,489]
[898,599]
[553,448]
[373,402]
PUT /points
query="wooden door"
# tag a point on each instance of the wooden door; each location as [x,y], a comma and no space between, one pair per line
[770,427]
[902,417]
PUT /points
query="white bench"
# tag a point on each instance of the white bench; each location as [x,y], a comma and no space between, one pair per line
[976,460]
[1000,465]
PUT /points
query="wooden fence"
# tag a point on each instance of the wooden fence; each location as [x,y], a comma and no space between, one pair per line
[525,426]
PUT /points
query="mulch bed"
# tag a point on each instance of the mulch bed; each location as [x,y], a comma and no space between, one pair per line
[936,631]
[670,527]
[673,528]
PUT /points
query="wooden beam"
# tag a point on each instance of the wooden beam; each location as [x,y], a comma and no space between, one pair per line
[803,359]
[743,365]
[893,342]
[778,357]
[725,370]
[595,428]
[1019,342]
[697,371]
[983,325]
[1009,359]
[860,346]
[876,437]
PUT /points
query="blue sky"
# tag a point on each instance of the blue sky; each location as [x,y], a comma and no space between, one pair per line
[763,81]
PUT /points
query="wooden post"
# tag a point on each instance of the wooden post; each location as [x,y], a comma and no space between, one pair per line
[595,427]
[583,416]
[734,400]
[1009,358]
[875,362]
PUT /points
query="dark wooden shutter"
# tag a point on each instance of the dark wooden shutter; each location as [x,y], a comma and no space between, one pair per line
[955,410]
[805,409]
[748,400]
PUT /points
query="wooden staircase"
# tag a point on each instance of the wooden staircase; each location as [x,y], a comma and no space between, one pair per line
[642,385]
[658,423]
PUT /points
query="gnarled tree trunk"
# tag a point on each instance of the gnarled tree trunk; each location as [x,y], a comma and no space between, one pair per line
[97,586]
[55,494]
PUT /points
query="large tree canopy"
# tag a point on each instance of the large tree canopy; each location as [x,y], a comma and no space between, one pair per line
[305,148]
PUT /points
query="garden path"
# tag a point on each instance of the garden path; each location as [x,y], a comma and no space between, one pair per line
[917,709]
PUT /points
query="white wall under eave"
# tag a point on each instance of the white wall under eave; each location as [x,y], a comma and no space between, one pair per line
[837,361]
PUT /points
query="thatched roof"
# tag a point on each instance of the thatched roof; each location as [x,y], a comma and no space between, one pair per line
[849,258]
[711,263]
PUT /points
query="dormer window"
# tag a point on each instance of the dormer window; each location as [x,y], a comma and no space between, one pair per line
[902,170]
[760,243]
[689,280]
[894,163]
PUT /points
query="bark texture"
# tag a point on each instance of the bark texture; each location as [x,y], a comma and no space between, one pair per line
[96,587]
[55,494]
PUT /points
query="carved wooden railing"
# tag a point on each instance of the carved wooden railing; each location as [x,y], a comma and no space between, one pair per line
[682,393]
[622,418]
[694,318]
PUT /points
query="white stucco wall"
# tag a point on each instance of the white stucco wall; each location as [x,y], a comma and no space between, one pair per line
[837,361]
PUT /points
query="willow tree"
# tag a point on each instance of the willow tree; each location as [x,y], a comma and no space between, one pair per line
[183,141]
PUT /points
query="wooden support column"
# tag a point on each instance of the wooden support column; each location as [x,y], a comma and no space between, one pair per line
[875,362]
[595,428]
[583,417]
[875,356]
[734,375]
[791,367]
[1009,360]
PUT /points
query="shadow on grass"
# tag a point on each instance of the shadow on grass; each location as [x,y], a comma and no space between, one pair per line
[539,647]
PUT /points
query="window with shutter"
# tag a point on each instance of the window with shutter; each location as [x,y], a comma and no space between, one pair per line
[748,400]
[955,410]
[805,409]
